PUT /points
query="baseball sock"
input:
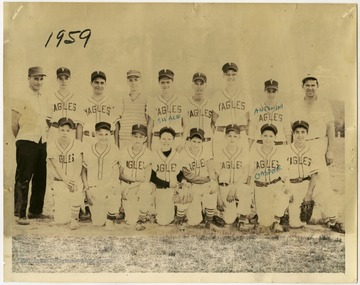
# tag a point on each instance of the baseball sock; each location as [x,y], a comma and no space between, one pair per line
[209,214]
[142,217]
[180,213]
[75,212]
[111,216]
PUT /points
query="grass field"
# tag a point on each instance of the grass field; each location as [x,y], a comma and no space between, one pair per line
[46,248]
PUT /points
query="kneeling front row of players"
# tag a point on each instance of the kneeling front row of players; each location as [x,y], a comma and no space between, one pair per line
[216,188]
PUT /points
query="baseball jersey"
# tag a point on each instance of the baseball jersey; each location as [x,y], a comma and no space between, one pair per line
[276,115]
[200,115]
[63,106]
[167,113]
[133,113]
[301,162]
[166,168]
[230,166]
[134,165]
[104,110]
[196,163]
[231,109]
[267,167]
[102,168]
[69,159]
[316,113]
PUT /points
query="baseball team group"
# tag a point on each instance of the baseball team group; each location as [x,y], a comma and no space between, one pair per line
[171,159]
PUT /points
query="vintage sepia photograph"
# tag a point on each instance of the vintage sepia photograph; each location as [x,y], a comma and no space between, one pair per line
[180,142]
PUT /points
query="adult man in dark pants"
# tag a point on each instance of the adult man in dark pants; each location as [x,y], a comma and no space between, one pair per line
[30,130]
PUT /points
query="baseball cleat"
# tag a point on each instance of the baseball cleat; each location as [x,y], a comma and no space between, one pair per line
[276,228]
[23,221]
[140,226]
[74,224]
[337,227]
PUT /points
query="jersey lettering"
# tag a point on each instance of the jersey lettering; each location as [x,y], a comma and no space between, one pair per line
[294,160]
[270,164]
[67,158]
[231,105]
[166,167]
[231,165]
[98,109]
[165,110]
[133,165]
[65,106]
[270,117]
[197,164]
[200,113]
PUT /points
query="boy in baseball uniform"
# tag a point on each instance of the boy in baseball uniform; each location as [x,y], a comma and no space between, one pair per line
[231,105]
[135,173]
[134,107]
[166,173]
[268,169]
[200,113]
[66,157]
[62,104]
[99,108]
[101,177]
[302,171]
[200,172]
[271,111]
[232,167]
[167,110]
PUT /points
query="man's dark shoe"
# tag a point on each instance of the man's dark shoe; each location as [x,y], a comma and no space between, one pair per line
[38,216]
[23,221]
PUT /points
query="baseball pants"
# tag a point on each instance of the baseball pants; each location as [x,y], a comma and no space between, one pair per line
[164,206]
[136,201]
[270,201]
[105,200]
[323,192]
[231,211]
[298,191]
[201,199]
[31,166]
[65,201]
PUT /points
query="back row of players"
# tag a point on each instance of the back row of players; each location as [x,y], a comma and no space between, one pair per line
[234,152]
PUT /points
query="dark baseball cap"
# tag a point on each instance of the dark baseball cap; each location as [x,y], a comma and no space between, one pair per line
[271,84]
[196,132]
[199,76]
[229,65]
[139,128]
[63,71]
[309,78]
[232,127]
[97,74]
[269,127]
[166,73]
[300,124]
[102,126]
[167,130]
[133,73]
[36,71]
[66,121]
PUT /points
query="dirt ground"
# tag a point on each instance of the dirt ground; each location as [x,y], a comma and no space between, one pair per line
[46,248]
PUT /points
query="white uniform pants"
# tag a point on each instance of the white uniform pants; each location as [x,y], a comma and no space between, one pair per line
[231,211]
[298,191]
[136,200]
[105,200]
[64,200]
[270,201]
[201,199]
[323,192]
[164,206]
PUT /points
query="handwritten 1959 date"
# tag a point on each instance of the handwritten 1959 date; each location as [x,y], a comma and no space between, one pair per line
[83,35]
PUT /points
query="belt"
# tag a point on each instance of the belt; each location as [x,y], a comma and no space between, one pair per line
[266,184]
[157,134]
[300,179]
[223,128]
[276,143]
[130,182]
[223,184]
[57,179]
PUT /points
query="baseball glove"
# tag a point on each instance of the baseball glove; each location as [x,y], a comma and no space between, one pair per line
[306,210]
[183,194]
